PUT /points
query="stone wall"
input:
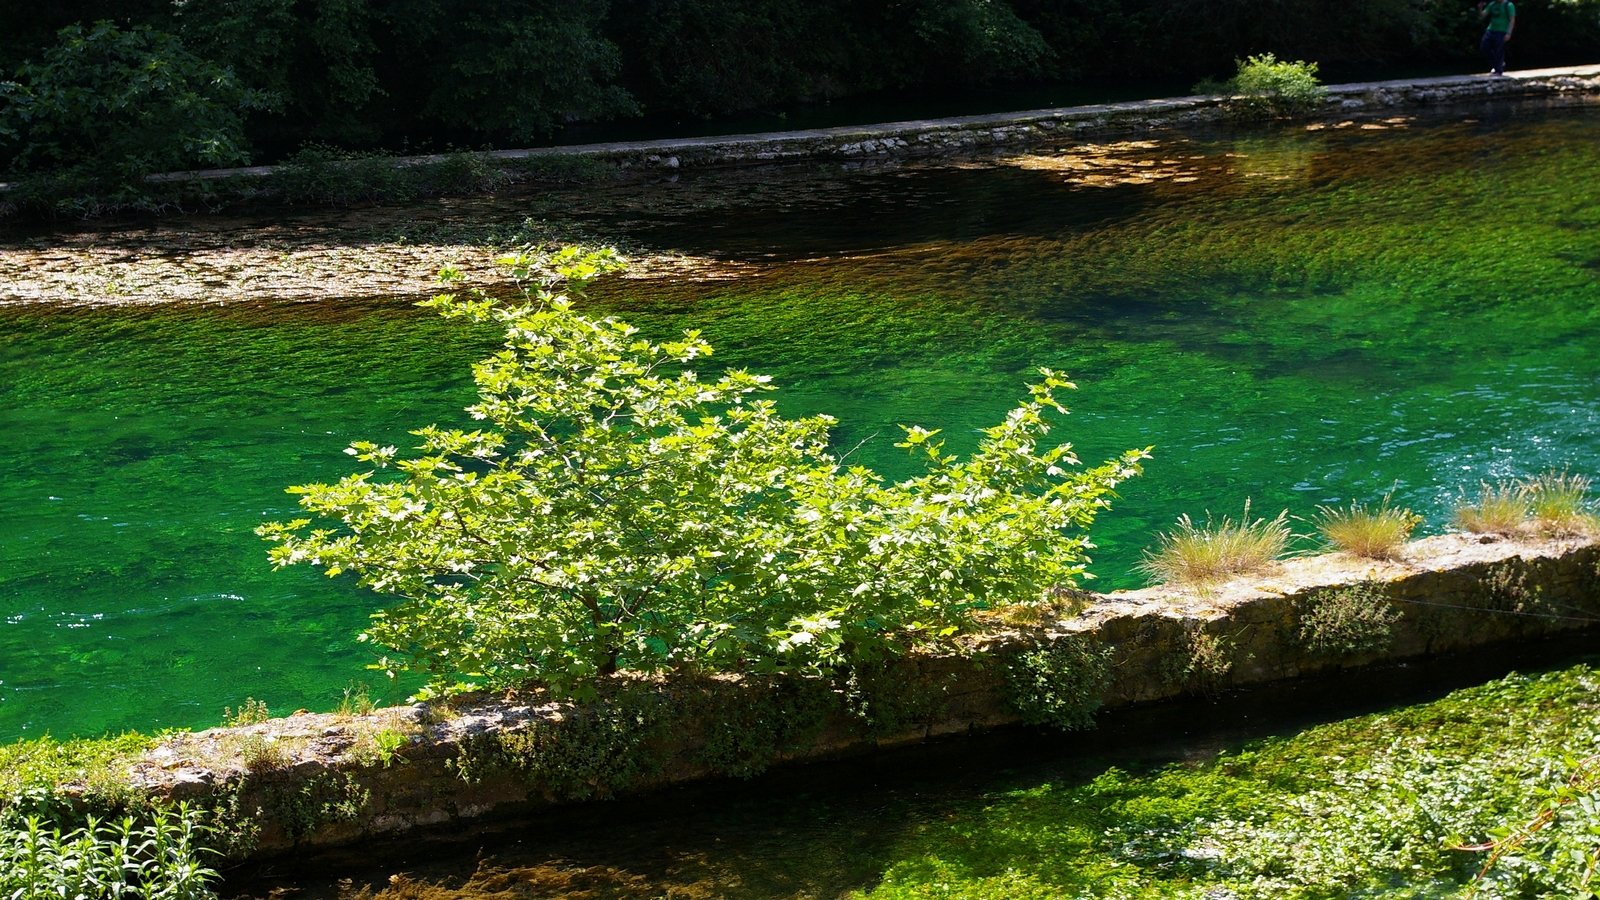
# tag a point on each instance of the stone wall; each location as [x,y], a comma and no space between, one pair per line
[953,136]
[969,134]
[320,780]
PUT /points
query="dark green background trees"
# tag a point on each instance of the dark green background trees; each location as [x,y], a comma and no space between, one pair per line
[365,74]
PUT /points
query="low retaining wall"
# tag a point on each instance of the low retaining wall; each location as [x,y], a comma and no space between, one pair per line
[951,136]
[322,780]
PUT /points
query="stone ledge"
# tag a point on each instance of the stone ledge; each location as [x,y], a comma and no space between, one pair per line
[933,137]
[327,784]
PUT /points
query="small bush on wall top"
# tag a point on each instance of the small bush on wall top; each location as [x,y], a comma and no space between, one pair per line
[1266,86]
[616,511]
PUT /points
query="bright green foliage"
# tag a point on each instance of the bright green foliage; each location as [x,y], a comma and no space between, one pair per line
[106,107]
[46,764]
[1409,803]
[1557,844]
[617,511]
[1267,86]
[105,859]
[49,848]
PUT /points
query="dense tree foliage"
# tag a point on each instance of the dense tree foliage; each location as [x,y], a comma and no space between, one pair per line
[370,73]
[616,510]
[106,105]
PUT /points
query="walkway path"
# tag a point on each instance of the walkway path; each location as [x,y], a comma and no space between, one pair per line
[313,255]
[764,146]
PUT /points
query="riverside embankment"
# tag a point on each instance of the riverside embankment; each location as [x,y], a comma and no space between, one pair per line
[307,255]
[319,780]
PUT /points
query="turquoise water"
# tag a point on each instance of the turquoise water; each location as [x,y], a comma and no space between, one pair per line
[1295,317]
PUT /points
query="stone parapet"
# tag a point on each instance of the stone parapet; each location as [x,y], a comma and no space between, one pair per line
[322,779]
[969,134]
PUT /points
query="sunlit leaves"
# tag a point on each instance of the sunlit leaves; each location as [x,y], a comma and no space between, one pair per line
[619,510]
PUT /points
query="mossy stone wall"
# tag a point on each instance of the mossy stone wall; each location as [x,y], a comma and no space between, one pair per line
[322,780]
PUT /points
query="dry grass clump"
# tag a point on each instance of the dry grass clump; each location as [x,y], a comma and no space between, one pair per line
[1372,532]
[1551,504]
[1558,503]
[1500,508]
[1200,554]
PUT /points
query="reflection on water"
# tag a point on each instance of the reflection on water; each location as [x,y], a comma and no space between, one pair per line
[1300,317]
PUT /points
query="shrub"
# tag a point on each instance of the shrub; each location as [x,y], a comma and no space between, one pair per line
[1200,554]
[320,175]
[1373,533]
[1348,621]
[1500,508]
[515,71]
[357,700]
[1202,662]
[617,511]
[1265,87]
[1061,684]
[250,712]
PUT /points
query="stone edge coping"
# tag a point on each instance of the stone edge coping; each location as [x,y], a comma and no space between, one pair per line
[193,763]
[846,139]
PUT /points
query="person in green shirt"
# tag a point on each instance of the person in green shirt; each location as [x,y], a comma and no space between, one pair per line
[1501,16]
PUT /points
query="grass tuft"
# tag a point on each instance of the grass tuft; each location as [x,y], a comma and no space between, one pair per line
[1551,504]
[1500,508]
[1558,504]
[1201,554]
[1374,533]
[357,700]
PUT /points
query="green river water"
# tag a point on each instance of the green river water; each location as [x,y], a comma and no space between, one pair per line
[1298,317]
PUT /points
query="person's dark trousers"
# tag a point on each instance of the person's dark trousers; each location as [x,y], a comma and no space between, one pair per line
[1494,48]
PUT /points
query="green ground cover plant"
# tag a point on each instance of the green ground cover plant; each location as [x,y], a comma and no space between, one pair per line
[1490,792]
[617,512]
[152,857]
[1194,554]
[100,841]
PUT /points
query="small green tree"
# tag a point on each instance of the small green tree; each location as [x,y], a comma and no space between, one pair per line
[617,511]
